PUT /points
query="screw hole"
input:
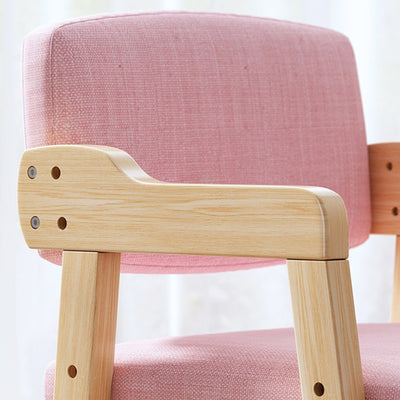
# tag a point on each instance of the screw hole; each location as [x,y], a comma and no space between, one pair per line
[55,172]
[32,172]
[72,371]
[389,166]
[395,211]
[319,389]
[62,223]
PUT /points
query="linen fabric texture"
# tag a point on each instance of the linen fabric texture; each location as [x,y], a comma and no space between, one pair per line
[256,365]
[204,98]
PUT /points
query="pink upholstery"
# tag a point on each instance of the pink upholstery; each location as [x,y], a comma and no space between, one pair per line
[206,98]
[258,365]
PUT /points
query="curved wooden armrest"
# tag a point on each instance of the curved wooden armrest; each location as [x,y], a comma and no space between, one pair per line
[110,205]
[91,201]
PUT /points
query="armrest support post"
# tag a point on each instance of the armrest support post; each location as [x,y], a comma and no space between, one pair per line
[87,325]
[326,331]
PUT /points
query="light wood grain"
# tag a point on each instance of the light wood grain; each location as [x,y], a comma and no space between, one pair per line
[384,163]
[87,325]
[395,309]
[326,331]
[110,204]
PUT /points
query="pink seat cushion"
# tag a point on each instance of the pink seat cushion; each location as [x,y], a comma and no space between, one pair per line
[258,365]
[204,98]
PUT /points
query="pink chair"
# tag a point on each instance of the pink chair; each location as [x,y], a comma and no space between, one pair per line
[238,120]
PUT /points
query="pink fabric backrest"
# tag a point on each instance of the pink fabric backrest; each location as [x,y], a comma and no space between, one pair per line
[204,98]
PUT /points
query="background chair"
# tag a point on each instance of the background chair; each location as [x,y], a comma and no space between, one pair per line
[205,99]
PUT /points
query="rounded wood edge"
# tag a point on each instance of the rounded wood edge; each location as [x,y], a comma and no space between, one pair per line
[334,224]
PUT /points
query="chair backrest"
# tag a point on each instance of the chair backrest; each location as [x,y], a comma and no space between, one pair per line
[204,98]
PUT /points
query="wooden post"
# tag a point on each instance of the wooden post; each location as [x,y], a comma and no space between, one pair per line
[395,310]
[87,325]
[326,330]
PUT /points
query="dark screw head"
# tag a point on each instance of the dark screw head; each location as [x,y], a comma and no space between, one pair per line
[35,222]
[32,172]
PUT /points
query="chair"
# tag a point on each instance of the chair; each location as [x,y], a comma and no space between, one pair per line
[197,142]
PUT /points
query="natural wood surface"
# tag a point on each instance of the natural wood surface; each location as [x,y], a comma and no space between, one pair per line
[384,164]
[326,331]
[87,325]
[110,204]
[395,310]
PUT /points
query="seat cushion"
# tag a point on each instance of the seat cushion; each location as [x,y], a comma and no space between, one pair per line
[256,365]
[204,98]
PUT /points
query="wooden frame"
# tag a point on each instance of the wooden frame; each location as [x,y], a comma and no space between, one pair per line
[395,309]
[111,205]
[90,200]
[384,164]
[326,330]
[88,317]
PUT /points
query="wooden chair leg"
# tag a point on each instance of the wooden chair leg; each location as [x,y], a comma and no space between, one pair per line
[326,330]
[87,325]
[395,310]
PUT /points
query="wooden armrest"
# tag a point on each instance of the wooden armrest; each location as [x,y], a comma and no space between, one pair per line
[96,198]
[384,164]
[88,200]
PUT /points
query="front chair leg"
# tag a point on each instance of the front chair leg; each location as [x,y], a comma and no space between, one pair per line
[87,325]
[326,330]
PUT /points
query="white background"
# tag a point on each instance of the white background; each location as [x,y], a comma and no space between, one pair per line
[153,306]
